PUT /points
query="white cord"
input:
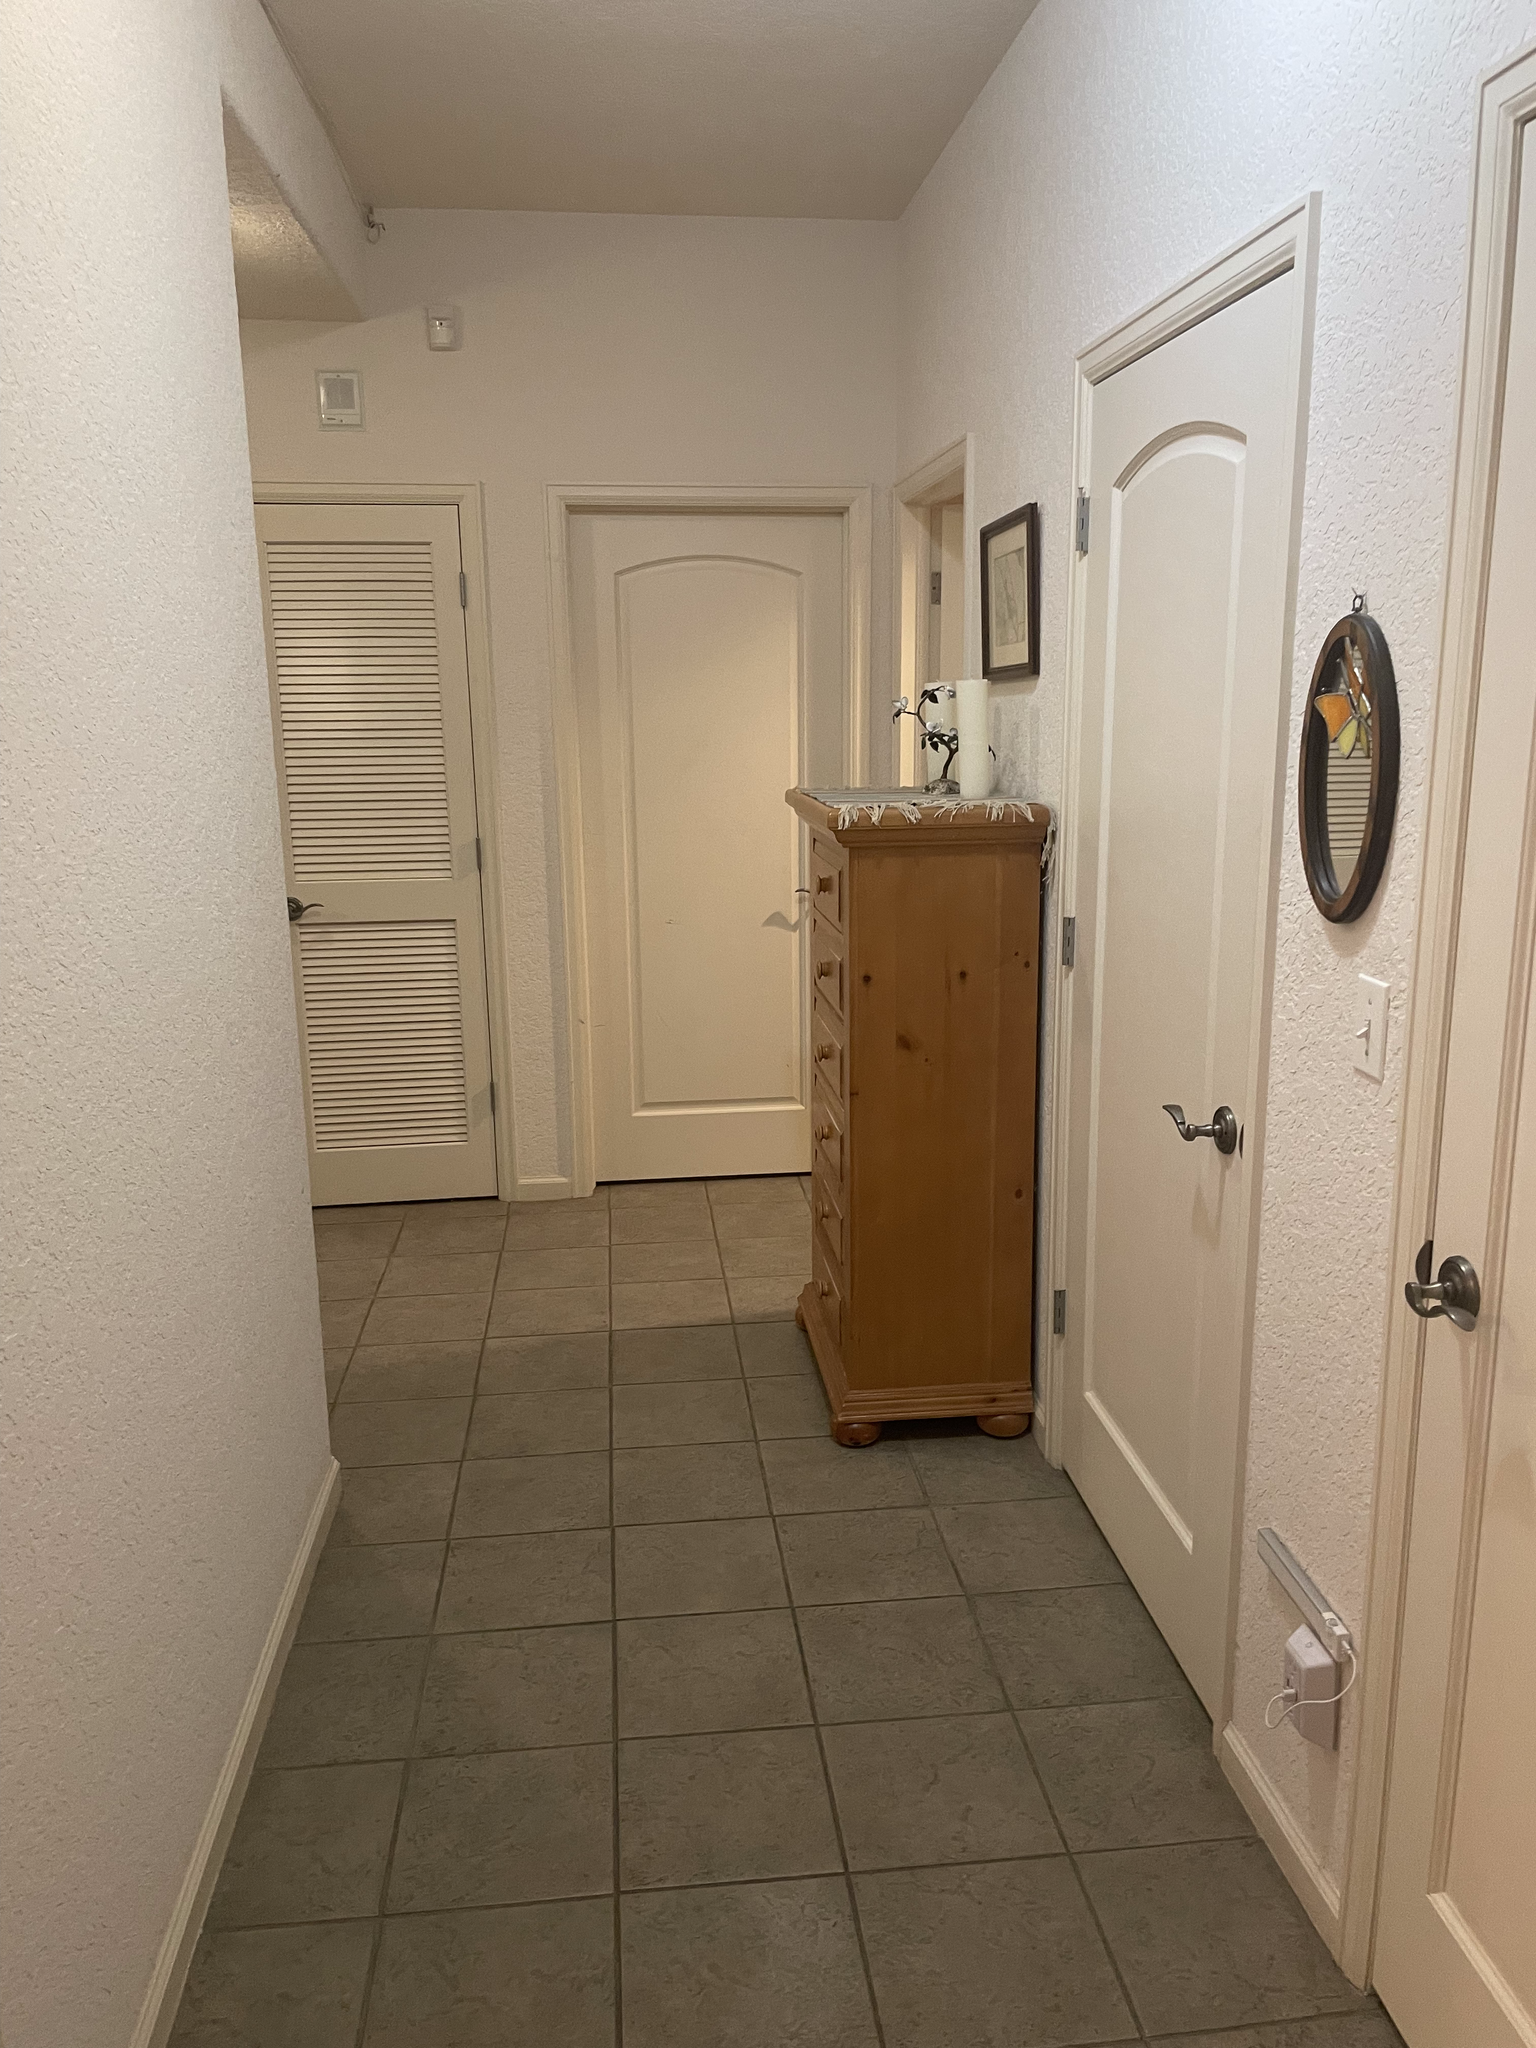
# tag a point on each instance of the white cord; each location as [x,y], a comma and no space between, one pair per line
[1289,1693]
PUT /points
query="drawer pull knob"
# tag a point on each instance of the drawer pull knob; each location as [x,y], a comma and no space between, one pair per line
[823,884]
[824,968]
[823,1288]
[823,1132]
[825,1052]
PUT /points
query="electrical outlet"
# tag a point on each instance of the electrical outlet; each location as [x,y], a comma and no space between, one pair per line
[1372,1002]
[1312,1677]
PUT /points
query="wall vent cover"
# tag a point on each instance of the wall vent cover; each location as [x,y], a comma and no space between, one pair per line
[341,397]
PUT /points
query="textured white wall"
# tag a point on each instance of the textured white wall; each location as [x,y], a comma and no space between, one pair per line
[163,1408]
[597,349]
[1117,148]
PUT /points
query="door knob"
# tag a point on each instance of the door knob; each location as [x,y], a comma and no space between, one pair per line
[1222,1127]
[296,909]
[1455,1291]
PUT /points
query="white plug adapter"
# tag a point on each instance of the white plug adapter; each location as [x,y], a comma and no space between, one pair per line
[1312,1678]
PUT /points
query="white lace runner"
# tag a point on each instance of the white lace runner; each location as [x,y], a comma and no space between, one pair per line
[852,806]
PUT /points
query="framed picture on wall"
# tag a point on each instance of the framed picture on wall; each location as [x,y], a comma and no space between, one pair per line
[1010,596]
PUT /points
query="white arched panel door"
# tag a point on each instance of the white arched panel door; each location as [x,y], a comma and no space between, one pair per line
[1183,698]
[710,676]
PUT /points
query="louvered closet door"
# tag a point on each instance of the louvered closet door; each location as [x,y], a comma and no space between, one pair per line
[370,706]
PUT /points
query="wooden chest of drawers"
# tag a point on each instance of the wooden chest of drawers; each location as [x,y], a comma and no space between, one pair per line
[924,952]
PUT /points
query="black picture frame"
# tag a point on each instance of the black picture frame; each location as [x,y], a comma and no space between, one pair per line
[1341,901]
[1025,520]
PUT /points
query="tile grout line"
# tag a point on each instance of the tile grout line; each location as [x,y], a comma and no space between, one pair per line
[1050,1804]
[613,1668]
[426,1662]
[736,1883]
[366,2001]
[377,1919]
[729,1883]
[821,1748]
[352,1350]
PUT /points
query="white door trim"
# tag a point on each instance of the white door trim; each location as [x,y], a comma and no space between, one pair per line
[482,718]
[561,502]
[931,483]
[1287,242]
[1507,103]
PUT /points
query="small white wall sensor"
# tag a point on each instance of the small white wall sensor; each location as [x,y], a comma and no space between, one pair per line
[442,327]
[340,393]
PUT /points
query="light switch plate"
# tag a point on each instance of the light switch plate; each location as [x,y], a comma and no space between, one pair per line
[1370,1033]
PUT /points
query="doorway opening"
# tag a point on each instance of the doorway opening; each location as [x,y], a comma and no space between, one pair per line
[936,631]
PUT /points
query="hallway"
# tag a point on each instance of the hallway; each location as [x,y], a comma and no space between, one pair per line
[879,1743]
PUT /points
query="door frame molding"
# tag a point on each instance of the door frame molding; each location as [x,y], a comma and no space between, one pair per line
[931,483]
[469,501]
[1506,104]
[1286,242]
[561,503]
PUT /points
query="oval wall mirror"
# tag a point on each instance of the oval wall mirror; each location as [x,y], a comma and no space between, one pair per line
[1349,759]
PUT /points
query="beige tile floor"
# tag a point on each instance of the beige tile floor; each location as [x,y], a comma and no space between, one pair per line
[629,1711]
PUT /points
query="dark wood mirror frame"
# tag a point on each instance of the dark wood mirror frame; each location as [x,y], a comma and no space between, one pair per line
[1343,899]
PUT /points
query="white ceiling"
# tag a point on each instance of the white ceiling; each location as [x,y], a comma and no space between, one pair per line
[824,108]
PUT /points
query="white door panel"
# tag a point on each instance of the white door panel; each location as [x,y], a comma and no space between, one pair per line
[1456,1948]
[710,677]
[1183,703]
[370,699]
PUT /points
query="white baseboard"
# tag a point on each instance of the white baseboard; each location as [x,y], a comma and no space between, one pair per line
[543,1187]
[158,2012]
[1317,1891]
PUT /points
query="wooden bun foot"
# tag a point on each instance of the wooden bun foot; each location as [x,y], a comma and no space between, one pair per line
[853,1434]
[1003,1425]
[800,1313]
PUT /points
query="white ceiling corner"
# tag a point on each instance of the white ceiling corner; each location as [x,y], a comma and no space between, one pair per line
[834,109]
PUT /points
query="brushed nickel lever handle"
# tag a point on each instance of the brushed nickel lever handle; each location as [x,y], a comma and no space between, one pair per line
[1456,1290]
[1222,1127]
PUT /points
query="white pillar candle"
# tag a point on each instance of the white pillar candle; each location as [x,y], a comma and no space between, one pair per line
[974,722]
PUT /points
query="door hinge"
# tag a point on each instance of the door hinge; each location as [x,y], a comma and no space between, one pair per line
[479,857]
[1059,1312]
[492,1092]
[1069,942]
[1082,522]
[463,591]
[936,586]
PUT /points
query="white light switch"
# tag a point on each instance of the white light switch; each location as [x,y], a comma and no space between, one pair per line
[1370,1035]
